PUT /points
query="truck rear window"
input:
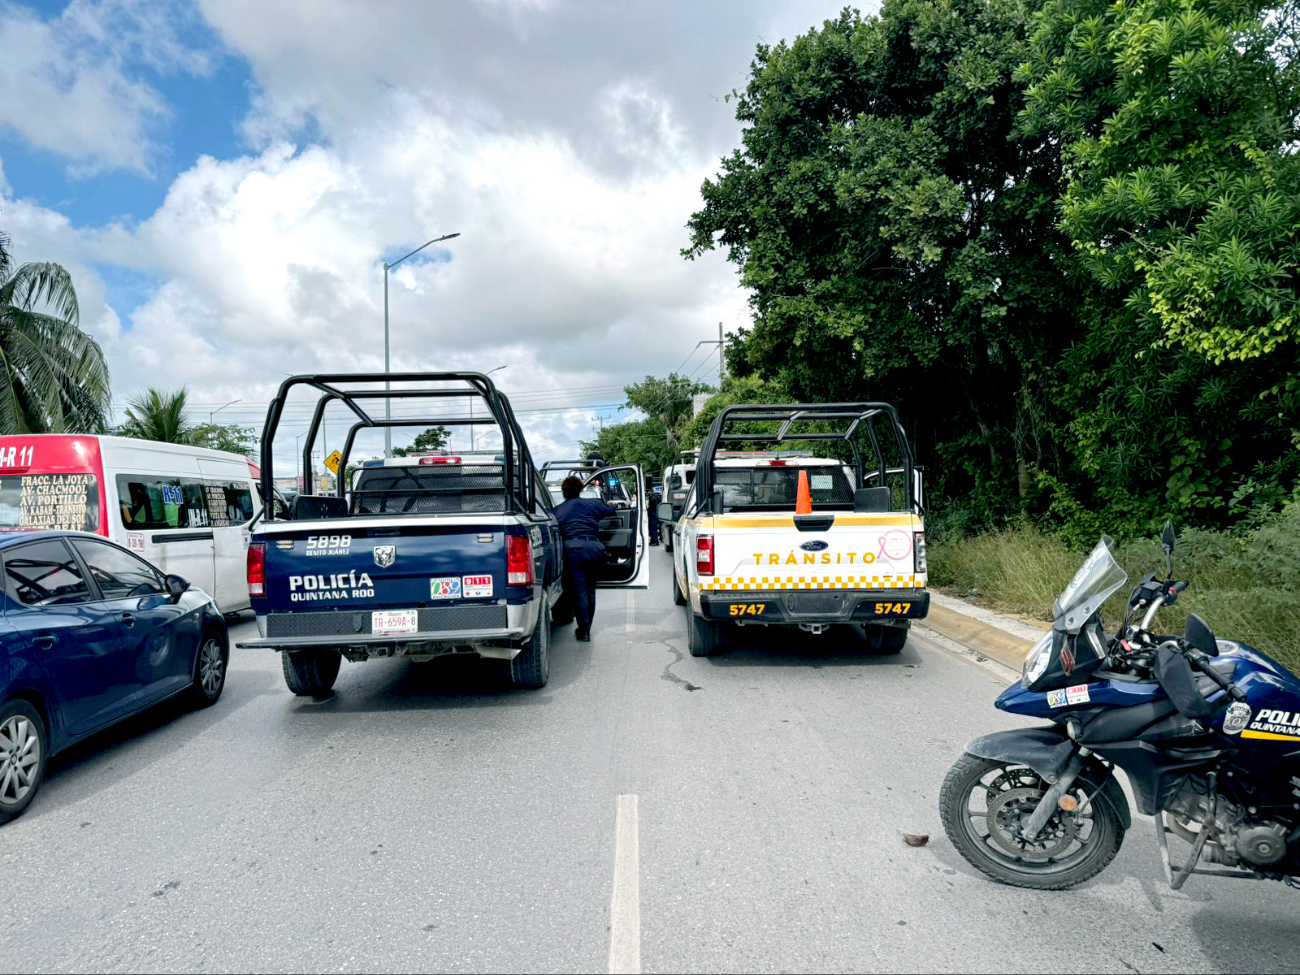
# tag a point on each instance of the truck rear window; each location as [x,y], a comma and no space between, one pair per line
[432,490]
[777,488]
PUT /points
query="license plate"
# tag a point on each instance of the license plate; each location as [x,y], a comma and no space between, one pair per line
[392,622]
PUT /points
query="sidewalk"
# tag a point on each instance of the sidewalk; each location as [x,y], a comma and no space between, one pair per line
[994,635]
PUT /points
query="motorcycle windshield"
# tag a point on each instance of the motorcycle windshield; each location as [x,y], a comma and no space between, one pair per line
[1098,578]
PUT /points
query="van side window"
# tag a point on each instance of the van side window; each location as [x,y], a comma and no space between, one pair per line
[44,574]
[152,502]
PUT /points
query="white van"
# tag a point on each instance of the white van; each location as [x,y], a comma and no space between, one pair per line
[185,509]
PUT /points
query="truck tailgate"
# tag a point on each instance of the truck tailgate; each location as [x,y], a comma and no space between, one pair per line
[755,552]
[326,580]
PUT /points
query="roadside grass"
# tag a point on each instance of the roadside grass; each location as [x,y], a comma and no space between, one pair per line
[1245,586]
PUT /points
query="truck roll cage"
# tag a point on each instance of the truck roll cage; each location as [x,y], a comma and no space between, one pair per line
[850,417]
[519,473]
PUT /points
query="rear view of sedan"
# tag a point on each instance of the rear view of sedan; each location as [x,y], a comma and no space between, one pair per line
[91,634]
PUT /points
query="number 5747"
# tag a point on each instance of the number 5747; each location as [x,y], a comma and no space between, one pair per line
[893,609]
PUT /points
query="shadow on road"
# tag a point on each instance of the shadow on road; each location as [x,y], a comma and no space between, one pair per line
[780,646]
[452,682]
[155,733]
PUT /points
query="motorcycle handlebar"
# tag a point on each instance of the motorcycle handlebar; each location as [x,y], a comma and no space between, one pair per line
[1201,662]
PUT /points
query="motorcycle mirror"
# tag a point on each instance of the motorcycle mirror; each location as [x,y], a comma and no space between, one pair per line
[1167,539]
[1199,636]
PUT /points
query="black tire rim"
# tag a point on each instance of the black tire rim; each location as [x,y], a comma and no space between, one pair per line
[998,801]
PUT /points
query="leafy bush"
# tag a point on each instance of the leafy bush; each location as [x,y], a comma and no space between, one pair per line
[1246,586]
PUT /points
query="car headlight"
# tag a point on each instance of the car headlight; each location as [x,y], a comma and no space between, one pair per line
[1037,659]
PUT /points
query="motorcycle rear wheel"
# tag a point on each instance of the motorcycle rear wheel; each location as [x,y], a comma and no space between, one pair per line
[982,800]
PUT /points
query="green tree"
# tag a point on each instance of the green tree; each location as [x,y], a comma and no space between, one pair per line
[1177,124]
[158,415]
[898,234]
[654,440]
[232,438]
[53,377]
[433,438]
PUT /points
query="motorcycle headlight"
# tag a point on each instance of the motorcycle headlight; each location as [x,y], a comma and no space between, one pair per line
[1037,660]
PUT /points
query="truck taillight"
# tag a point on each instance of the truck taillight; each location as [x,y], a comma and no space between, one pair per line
[426,461]
[519,560]
[918,550]
[704,555]
[257,569]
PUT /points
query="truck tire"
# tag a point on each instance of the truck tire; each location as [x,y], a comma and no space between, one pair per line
[311,672]
[703,637]
[885,639]
[667,532]
[532,665]
[679,598]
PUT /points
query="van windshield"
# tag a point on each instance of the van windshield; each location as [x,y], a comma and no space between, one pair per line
[67,502]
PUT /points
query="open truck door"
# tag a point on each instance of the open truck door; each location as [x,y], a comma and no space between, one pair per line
[626,533]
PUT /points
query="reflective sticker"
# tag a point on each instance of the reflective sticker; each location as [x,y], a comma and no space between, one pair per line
[1056,699]
[475,586]
[445,588]
[1236,718]
[135,541]
[1078,694]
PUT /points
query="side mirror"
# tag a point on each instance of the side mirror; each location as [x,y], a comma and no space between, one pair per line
[1167,540]
[1199,636]
[665,512]
[176,586]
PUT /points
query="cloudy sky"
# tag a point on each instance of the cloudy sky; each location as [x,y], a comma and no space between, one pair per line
[226,178]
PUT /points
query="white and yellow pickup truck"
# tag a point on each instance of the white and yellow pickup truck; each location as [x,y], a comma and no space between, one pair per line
[786,538]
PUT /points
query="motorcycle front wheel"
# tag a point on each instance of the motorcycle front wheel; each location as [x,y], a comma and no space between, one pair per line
[984,804]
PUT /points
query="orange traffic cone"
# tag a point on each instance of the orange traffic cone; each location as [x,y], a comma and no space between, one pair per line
[803,501]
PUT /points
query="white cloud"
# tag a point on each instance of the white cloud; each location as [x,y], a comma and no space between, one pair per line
[71,86]
[565,142]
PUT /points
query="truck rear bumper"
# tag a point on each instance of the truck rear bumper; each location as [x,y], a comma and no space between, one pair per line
[491,630]
[816,606]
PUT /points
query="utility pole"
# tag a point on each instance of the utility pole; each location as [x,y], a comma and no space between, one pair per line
[722,364]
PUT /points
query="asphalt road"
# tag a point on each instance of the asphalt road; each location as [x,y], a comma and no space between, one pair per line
[429,818]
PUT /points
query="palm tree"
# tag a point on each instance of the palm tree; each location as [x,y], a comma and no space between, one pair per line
[158,415]
[53,377]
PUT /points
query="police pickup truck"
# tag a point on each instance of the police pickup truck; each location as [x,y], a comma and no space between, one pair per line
[783,537]
[422,556]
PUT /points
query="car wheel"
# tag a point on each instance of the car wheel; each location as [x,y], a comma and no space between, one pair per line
[210,669]
[311,672]
[679,598]
[704,637]
[532,665]
[668,539]
[22,757]
[885,639]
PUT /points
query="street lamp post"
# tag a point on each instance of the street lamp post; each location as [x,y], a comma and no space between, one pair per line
[220,408]
[388,407]
[473,438]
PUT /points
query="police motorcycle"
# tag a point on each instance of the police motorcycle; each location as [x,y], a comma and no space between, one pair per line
[1207,731]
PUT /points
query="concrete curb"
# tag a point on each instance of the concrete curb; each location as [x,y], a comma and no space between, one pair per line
[993,635]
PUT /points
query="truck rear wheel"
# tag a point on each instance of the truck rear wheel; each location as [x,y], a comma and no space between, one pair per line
[885,639]
[311,672]
[703,637]
[532,665]
[667,532]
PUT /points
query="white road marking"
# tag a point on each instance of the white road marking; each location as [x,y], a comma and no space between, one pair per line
[625,909]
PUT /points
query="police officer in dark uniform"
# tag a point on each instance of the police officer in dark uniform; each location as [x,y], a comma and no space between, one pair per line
[584,553]
[652,509]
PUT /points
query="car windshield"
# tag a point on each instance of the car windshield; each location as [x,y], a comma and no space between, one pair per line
[1097,580]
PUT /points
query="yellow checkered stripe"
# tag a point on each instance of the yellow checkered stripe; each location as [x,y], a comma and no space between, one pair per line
[755,583]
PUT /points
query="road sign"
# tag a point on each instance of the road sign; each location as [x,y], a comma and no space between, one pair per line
[333,461]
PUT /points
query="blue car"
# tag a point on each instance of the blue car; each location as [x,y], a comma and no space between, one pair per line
[89,635]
